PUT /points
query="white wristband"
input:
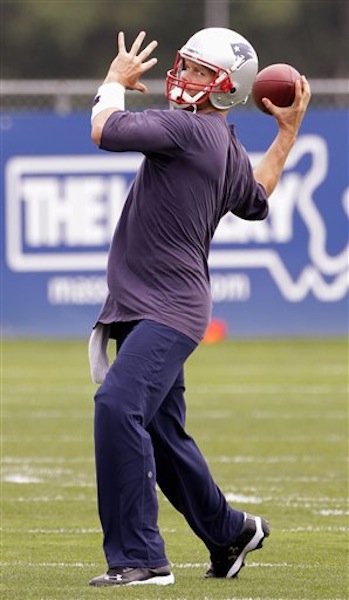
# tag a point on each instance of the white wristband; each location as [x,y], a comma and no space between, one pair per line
[109,95]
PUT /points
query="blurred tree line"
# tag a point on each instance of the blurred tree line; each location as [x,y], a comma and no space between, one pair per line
[76,39]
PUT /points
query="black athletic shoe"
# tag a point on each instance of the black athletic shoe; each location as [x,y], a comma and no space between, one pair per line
[135,576]
[228,562]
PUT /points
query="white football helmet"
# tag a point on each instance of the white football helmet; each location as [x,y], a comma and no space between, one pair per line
[229,55]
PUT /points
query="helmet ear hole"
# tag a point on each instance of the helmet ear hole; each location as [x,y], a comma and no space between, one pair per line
[233,90]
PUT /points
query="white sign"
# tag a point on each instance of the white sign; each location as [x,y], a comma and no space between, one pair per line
[61,211]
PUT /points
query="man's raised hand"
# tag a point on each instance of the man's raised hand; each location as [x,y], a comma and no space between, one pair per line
[128,67]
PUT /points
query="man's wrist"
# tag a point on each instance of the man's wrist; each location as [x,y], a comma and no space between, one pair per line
[109,95]
[287,136]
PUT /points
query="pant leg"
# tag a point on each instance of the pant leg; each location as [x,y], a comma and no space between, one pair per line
[136,384]
[184,477]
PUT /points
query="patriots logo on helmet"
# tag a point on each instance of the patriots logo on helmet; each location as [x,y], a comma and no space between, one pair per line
[242,53]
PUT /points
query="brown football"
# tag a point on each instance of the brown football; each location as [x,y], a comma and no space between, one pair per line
[276,82]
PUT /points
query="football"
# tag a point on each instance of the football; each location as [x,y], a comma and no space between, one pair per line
[276,82]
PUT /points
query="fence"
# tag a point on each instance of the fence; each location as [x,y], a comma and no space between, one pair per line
[64,96]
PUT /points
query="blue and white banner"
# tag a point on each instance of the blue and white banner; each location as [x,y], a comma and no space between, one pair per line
[61,199]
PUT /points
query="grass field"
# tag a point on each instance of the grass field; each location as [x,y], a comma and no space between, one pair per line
[270,416]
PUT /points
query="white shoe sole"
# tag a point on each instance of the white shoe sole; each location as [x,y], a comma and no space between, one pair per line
[105,581]
[163,580]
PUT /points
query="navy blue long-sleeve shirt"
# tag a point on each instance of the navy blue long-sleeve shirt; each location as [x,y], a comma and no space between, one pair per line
[195,171]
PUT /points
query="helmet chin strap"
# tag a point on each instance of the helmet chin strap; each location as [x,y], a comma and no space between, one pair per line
[188,107]
[189,101]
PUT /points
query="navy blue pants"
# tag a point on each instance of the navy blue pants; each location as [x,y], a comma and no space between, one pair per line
[140,440]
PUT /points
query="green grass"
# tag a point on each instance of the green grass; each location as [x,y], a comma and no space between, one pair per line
[271,418]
